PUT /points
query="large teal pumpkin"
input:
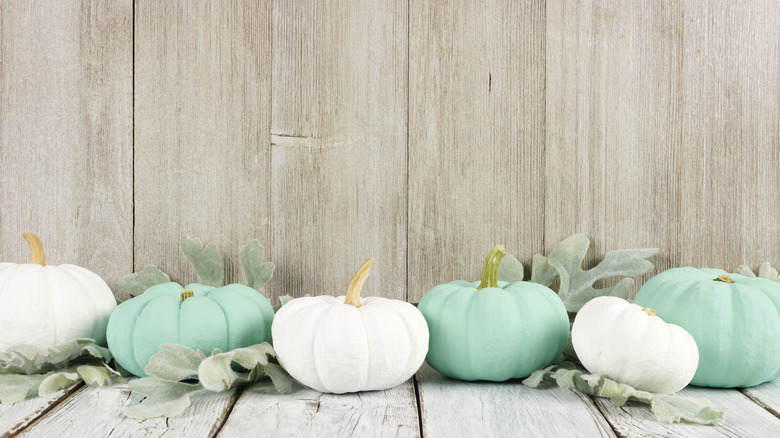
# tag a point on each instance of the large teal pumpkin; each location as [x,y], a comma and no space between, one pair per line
[200,317]
[493,330]
[734,319]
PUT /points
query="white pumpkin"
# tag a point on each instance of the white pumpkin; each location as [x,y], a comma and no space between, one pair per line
[631,345]
[47,305]
[348,344]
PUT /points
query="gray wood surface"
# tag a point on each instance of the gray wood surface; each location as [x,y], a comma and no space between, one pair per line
[727,169]
[202,138]
[766,395]
[66,133]
[476,136]
[96,412]
[613,120]
[304,412]
[16,417]
[743,417]
[451,408]
[338,129]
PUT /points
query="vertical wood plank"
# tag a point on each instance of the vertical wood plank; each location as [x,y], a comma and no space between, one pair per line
[202,149]
[339,145]
[66,132]
[476,136]
[728,169]
[613,125]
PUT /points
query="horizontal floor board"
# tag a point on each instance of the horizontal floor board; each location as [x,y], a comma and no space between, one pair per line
[97,412]
[452,408]
[304,412]
[743,417]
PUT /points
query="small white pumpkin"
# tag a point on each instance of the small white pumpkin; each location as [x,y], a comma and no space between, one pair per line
[632,345]
[47,305]
[348,344]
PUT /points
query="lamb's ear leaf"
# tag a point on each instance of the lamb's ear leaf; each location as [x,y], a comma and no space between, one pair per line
[137,283]
[577,284]
[164,398]
[542,271]
[510,269]
[767,271]
[667,408]
[257,273]
[207,261]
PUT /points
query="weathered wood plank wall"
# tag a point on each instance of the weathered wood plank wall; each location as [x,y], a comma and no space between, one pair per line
[420,133]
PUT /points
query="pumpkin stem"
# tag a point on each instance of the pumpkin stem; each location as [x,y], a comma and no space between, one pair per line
[356,284]
[490,268]
[36,249]
[724,278]
[186,293]
[649,311]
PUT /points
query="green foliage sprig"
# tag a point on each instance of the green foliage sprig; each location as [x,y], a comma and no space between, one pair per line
[576,284]
[179,372]
[667,408]
[29,371]
[208,264]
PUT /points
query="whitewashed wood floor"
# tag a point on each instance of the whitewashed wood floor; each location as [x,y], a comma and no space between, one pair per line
[429,405]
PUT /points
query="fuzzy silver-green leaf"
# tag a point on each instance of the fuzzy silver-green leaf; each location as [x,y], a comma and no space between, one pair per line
[168,397]
[510,269]
[137,283]
[207,261]
[175,362]
[542,271]
[257,273]
[164,398]
[765,270]
[576,286]
[29,370]
[667,408]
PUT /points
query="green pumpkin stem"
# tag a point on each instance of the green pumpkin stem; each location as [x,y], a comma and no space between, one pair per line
[490,268]
[36,249]
[186,293]
[356,284]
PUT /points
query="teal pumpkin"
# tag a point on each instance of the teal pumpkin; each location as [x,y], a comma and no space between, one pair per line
[493,330]
[734,319]
[200,317]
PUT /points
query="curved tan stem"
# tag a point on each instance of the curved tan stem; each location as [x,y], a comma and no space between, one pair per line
[36,249]
[356,284]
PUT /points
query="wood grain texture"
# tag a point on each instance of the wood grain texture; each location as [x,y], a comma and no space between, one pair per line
[476,136]
[742,417]
[613,125]
[66,132]
[339,146]
[16,417]
[451,408]
[261,411]
[728,178]
[766,395]
[202,138]
[97,412]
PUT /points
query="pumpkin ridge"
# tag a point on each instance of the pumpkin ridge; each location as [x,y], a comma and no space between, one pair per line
[89,290]
[131,331]
[46,286]
[230,346]
[369,368]
[409,356]
[434,323]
